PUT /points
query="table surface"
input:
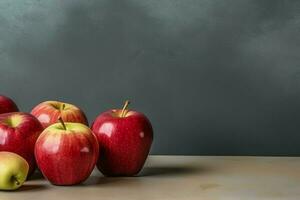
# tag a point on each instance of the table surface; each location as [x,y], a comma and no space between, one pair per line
[181,177]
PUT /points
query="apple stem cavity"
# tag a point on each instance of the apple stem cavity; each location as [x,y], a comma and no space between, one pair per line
[62,123]
[123,112]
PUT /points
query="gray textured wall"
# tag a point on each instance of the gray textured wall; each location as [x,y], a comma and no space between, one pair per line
[214,77]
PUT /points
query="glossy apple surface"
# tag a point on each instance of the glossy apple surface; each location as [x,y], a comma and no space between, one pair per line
[18,134]
[7,105]
[124,142]
[66,156]
[48,113]
[13,170]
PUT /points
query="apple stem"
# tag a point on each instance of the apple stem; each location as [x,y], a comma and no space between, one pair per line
[62,123]
[62,107]
[127,102]
[15,180]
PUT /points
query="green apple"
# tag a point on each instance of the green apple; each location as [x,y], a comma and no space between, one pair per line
[13,170]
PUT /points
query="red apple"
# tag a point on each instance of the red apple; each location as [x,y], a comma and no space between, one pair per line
[7,105]
[66,153]
[125,138]
[48,113]
[18,134]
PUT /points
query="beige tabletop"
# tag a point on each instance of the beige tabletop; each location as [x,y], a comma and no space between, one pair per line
[180,178]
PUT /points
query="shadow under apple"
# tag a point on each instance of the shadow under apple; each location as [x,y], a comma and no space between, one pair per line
[171,170]
[29,188]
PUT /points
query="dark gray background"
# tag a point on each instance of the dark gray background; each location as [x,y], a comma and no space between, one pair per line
[214,77]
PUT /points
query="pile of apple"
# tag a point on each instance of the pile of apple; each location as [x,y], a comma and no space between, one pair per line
[55,136]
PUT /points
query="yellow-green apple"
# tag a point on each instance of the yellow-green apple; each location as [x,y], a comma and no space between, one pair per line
[48,113]
[66,153]
[125,137]
[18,133]
[7,105]
[13,170]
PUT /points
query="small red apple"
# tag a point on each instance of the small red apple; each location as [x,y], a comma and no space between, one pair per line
[18,134]
[125,138]
[7,105]
[66,153]
[48,113]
